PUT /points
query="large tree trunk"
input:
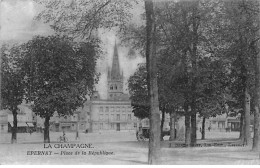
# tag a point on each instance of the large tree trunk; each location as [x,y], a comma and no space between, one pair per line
[187,126]
[241,130]
[46,130]
[187,130]
[162,123]
[172,126]
[154,139]
[256,129]
[257,96]
[193,129]
[1,75]
[14,128]
[203,128]
[247,139]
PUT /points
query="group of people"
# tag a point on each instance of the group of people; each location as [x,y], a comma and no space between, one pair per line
[209,128]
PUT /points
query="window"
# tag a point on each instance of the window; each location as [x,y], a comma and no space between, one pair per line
[101,117]
[106,116]
[118,117]
[107,109]
[129,117]
[112,109]
[101,126]
[112,126]
[111,87]
[116,87]
[2,127]
[112,116]
[100,109]
[117,109]
[135,125]
[124,117]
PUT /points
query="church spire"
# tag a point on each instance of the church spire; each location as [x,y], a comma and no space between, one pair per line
[115,72]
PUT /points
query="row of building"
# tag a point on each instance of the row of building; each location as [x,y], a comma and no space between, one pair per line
[111,114]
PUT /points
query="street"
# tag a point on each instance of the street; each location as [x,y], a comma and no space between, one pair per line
[115,148]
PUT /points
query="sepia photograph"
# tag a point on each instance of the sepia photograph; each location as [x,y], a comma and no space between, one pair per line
[129,82]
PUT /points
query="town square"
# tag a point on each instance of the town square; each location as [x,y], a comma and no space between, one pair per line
[133,82]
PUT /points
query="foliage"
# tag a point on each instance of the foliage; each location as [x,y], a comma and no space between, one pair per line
[82,18]
[12,78]
[138,90]
[59,73]
[240,34]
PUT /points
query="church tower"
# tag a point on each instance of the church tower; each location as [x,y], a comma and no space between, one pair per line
[115,78]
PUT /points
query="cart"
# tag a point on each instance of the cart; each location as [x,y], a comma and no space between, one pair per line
[142,134]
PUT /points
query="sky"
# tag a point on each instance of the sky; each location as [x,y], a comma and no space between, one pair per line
[18,25]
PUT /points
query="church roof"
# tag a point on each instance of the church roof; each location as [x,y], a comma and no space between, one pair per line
[115,71]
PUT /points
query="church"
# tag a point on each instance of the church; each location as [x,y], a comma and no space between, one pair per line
[115,112]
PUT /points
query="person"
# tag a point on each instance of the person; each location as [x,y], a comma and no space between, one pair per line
[77,135]
[209,128]
[63,136]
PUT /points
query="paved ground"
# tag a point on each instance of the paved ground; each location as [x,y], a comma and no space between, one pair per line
[122,148]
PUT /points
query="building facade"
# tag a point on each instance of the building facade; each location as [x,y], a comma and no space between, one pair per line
[79,121]
[114,113]
[4,120]
[26,119]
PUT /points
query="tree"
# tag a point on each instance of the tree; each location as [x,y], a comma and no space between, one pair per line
[168,96]
[154,139]
[240,35]
[189,33]
[81,19]
[59,74]
[184,39]
[12,83]
[1,75]
[257,91]
[138,90]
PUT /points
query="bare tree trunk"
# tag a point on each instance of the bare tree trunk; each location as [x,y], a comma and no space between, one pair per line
[193,130]
[187,130]
[1,75]
[257,96]
[14,128]
[155,132]
[162,123]
[187,125]
[247,140]
[242,134]
[203,128]
[172,126]
[256,130]
[46,130]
